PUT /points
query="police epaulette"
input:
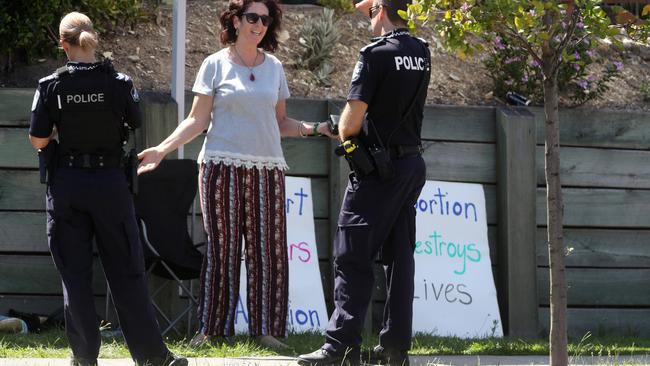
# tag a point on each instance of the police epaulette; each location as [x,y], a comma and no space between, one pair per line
[48,78]
[375,42]
[63,70]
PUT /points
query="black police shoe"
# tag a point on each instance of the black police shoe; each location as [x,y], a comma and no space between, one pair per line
[77,361]
[169,360]
[323,357]
[389,356]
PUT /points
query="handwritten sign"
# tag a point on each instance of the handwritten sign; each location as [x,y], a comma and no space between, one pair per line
[454,286]
[307,310]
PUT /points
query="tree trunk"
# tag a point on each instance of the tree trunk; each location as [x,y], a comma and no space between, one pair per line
[555,214]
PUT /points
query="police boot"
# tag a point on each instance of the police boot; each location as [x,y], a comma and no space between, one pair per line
[323,357]
[389,356]
[78,361]
[169,360]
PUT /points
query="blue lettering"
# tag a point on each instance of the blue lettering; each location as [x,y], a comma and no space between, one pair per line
[302,196]
[468,205]
[289,203]
[241,310]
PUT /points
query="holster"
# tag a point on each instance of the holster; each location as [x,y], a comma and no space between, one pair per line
[357,156]
[364,161]
[47,162]
[131,170]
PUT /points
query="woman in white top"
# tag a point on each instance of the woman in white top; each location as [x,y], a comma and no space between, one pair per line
[240,94]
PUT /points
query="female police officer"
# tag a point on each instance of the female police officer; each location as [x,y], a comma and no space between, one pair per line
[88,104]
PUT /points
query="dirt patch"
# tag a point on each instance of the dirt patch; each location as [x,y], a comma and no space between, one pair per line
[144,53]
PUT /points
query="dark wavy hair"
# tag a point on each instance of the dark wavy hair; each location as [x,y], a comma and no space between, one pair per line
[238,8]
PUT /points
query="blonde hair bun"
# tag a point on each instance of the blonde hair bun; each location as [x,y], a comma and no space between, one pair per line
[77,29]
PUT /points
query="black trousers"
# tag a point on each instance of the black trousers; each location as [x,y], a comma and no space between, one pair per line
[376,217]
[87,203]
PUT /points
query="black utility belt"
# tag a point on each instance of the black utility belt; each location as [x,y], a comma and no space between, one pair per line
[404,151]
[364,160]
[91,161]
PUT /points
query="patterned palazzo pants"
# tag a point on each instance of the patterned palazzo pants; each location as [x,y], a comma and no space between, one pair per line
[250,203]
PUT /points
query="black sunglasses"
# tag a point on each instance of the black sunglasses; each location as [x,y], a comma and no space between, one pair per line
[372,10]
[252,18]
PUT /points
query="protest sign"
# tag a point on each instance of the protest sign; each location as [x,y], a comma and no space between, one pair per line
[307,310]
[454,287]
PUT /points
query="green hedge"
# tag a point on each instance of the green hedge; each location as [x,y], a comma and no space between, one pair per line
[30,28]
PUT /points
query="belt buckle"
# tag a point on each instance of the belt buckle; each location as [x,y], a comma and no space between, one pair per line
[85,161]
[400,151]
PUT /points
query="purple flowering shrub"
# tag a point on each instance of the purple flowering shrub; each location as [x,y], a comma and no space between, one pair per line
[579,78]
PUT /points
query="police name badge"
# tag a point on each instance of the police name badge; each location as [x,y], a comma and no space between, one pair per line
[35,101]
[357,71]
[135,95]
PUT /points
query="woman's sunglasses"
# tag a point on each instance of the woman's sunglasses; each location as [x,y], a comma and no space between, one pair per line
[252,18]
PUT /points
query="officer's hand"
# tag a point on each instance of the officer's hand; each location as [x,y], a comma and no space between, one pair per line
[149,159]
[324,129]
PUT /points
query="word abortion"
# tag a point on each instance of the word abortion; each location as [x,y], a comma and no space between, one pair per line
[441,205]
[297,317]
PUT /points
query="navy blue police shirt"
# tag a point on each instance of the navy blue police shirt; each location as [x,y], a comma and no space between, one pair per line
[87,93]
[387,77]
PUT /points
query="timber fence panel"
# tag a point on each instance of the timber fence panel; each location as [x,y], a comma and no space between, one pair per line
[42,304]
[603,208]
[31,274]
[15,106]
[598,287]
[602,322]
[23,232]
[16,150]
[20,190]
[600,248]
[598,167]
[599,128]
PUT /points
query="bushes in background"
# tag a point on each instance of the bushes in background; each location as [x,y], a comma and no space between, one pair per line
[29,29]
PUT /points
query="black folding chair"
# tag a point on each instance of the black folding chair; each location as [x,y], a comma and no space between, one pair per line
[165,198]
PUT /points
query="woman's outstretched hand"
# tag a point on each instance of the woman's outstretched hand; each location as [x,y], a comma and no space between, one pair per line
[149,159]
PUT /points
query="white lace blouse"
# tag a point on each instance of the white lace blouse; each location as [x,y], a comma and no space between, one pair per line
[244,129]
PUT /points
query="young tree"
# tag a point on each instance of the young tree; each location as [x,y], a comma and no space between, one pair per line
[545,29]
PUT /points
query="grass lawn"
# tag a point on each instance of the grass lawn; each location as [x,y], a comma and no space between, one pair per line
[53,344]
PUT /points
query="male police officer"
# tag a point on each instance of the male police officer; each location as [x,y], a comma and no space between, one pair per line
[89,104]
[384,110]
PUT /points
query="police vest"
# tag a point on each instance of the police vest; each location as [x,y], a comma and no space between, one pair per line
[88,123]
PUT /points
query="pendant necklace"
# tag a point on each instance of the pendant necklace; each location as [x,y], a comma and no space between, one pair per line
[250,68]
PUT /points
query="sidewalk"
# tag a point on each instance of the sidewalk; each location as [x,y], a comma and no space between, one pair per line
[415,361]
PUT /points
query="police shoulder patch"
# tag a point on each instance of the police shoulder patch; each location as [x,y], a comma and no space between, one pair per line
[37,95]
[357,71]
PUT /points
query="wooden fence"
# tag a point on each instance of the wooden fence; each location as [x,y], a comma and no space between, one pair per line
[605,184]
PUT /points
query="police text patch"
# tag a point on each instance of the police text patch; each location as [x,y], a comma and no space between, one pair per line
[134,94]
[35,101]
[357,71]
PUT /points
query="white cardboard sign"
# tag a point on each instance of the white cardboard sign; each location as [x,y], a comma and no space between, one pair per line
[454,287]
[307,311]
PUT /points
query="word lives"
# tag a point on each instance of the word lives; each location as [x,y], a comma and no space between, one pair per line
[449,292]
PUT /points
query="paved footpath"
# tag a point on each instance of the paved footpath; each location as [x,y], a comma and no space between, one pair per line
[415,361]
